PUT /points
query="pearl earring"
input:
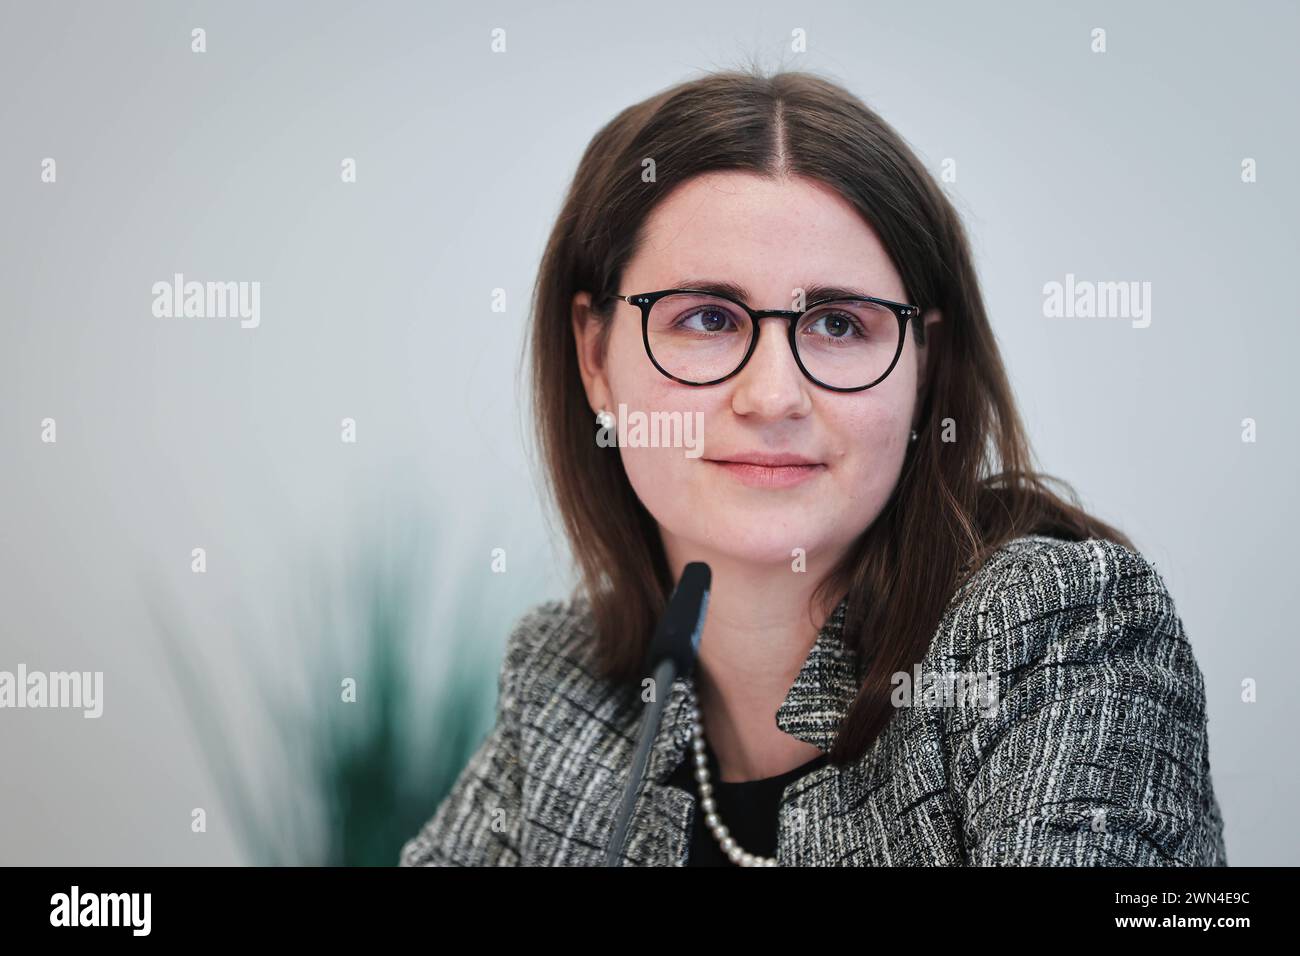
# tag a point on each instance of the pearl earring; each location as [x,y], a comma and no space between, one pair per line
[914,434]
[604,419]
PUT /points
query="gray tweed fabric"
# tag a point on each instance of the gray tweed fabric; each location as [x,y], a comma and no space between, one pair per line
[1096,753]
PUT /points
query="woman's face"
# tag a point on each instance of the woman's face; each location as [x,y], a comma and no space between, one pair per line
[771,238]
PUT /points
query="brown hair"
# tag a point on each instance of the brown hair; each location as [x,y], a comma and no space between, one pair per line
[955,501]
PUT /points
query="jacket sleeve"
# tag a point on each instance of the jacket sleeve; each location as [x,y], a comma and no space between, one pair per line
[1098,753]
[478,822]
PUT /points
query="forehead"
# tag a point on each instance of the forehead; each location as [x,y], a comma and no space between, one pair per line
[769,236]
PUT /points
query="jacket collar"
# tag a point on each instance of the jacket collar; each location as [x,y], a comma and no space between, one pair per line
[817,701]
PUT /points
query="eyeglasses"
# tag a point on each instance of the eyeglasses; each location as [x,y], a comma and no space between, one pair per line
[846,344]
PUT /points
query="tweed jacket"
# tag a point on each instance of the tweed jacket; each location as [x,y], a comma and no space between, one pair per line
[1096,753]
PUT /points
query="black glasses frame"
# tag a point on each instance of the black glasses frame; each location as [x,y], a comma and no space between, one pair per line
[646,300]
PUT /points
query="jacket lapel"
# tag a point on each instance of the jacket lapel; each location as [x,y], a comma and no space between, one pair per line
[825,688]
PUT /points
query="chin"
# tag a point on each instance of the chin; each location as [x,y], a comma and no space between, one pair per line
[763,537]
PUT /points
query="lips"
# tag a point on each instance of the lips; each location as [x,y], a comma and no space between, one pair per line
[762,470]
[781,460]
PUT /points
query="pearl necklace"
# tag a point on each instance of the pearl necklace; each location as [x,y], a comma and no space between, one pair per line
[733,850]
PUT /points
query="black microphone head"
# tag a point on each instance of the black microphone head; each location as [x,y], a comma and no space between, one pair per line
[678,634]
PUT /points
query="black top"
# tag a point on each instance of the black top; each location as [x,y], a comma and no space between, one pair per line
[747,808]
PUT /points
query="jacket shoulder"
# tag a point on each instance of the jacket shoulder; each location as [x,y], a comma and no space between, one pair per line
[1100,714]
[483,820]
[549,640]
[1038,591]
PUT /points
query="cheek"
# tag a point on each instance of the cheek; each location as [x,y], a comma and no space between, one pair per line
[661,478]
[868,439]
[664,478]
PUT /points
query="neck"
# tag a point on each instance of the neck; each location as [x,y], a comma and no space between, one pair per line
[760,626]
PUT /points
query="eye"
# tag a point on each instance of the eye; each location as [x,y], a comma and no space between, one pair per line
[835,325]
[706,319]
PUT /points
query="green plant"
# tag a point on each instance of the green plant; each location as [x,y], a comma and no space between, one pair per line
[352,779]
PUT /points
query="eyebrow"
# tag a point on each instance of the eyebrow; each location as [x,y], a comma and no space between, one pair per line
[813,293]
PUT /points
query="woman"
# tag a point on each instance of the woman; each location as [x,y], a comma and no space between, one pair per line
[765,257]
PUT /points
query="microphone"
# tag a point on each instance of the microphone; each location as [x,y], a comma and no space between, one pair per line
[672,654]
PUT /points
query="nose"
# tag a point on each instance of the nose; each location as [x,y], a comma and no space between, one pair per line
[771,386]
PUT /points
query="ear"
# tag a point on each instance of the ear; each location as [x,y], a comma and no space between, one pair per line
[586,336]
[930,317]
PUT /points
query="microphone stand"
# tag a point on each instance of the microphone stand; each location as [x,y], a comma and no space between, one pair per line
[672,652]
